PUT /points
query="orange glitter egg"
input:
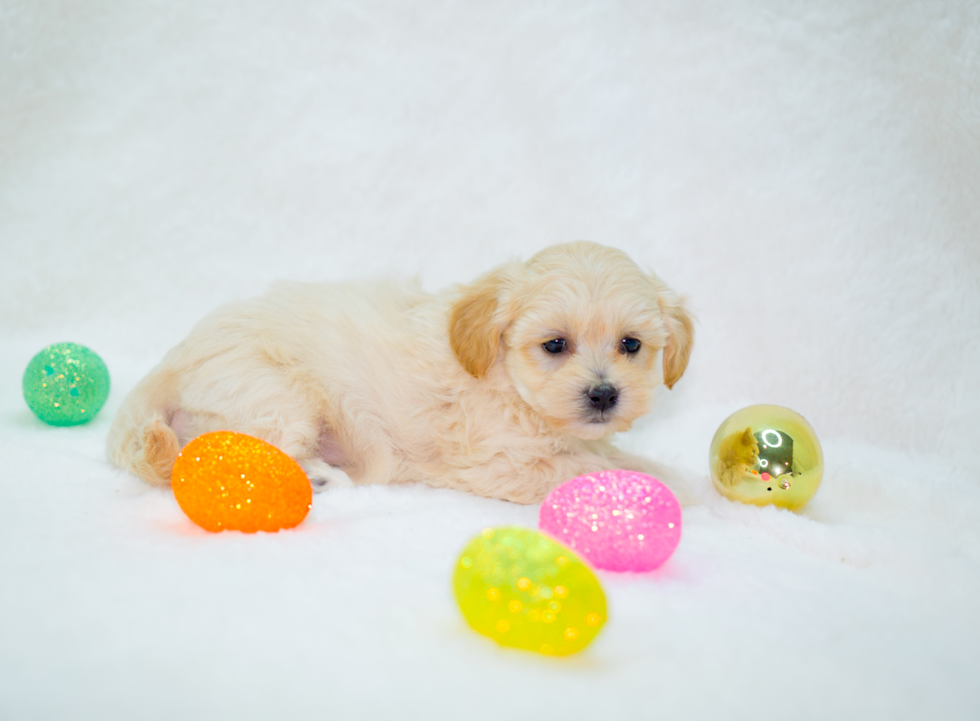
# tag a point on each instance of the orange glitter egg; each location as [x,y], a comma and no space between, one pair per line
[226,481]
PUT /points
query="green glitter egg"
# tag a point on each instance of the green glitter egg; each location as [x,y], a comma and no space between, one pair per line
[524,590]
[66,384]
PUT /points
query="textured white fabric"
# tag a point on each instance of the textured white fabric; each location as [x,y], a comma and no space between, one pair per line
[807,173]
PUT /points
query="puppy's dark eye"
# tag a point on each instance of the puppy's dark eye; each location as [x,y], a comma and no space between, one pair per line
[629,345]
[554,346]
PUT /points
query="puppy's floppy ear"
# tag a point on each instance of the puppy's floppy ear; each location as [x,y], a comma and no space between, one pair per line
[680,332]
[475,325]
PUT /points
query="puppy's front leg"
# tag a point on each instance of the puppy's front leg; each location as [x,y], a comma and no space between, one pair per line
[541,477]
[680,482]
[630,462]
[533,482]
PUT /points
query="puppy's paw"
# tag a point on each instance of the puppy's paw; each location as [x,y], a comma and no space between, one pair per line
[322,475]
[684,484]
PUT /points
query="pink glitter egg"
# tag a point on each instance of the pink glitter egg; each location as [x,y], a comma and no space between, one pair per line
[618,520]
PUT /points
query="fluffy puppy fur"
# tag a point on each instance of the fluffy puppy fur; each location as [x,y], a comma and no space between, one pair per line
[470,389]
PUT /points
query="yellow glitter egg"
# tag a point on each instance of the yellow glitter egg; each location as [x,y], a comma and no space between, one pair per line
[766,455]
[226,481]
[524,590]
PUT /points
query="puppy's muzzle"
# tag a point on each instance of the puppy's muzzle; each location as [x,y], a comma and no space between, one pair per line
[603,396]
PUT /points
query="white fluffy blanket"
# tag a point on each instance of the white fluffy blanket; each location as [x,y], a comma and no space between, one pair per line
[807,173]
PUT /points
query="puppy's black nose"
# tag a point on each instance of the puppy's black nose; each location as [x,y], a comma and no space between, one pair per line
[603,396]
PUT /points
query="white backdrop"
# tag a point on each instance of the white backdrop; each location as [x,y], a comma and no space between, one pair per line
[807,174]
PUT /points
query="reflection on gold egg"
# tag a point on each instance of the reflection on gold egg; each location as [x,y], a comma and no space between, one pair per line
[766,455]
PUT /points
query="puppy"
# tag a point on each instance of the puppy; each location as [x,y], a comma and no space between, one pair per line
[504,388]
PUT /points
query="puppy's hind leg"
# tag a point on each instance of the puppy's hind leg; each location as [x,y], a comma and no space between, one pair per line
[140,438]
[322,475]
[316,451]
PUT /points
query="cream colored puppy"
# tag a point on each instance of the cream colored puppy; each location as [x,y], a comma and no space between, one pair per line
[506,387]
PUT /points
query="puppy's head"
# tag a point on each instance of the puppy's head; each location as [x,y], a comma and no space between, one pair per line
[582,333]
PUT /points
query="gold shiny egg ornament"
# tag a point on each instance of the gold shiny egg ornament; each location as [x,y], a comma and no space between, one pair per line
[766,455]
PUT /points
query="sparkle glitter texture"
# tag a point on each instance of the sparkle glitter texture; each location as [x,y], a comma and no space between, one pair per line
[522,589]
[618,520]
[66,384]
[234,482]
